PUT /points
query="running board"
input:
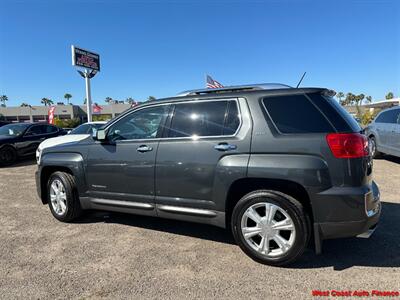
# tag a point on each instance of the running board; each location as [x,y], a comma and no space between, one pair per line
[186,211]
[125,204]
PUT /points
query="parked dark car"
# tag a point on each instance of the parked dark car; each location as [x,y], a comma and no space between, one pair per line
[21,139]
[277,165]
[2,123]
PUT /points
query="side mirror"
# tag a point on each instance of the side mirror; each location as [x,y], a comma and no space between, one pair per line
[101,135]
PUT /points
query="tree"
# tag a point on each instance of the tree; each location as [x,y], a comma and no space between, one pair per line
[23,104]
[3,99]
[369,99]
[108,100]
[151,98]
[47,101]
[67,97]
[389,96]
[340,95]
[130,100]
[84,101]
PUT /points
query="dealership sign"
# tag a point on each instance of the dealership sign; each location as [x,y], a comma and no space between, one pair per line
[51,114]
[85,59]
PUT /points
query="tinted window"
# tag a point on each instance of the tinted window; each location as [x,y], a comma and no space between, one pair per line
[142,124]
[13,129]
[82,129]
[390,116]
[49,129]
[232,120]
[35,130]
[198,119]
[337,115]
[296,114]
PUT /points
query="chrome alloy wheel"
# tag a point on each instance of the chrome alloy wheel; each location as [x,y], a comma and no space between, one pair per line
[58,197]
[268,229]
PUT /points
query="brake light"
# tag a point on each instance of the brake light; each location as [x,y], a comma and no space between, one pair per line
[348,145]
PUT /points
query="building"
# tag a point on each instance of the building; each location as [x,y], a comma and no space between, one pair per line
[63,112]
[373,106]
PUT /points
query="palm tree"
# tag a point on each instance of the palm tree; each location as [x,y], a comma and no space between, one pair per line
[3,99]
[130,100]
[389,96]
[340,95]
[151,98]
[67,96]
[47,101]
[108,100]
[23,104]
[369,99]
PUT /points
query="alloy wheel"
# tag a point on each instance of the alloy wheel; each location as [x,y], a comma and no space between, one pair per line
[268,229]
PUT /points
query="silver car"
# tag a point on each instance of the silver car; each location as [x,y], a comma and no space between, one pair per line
[384,133]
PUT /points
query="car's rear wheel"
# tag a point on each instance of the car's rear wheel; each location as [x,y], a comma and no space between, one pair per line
[63,197]
[8,156]
[271,227]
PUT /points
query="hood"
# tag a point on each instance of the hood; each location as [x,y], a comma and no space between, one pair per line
[65,139]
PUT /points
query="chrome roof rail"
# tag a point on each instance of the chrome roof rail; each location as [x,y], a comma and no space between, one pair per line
[237,88]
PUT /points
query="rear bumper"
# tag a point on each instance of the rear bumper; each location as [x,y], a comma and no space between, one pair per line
[359,219]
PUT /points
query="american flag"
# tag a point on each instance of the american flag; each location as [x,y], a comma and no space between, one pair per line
[213,84]
[97,108]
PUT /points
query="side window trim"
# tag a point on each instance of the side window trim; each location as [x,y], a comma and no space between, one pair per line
[228,100]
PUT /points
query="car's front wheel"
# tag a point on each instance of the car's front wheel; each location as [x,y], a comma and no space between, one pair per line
[271,227]
[8,156]
[63,197]
[373,148]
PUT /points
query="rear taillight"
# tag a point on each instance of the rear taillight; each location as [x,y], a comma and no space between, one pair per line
[348,145]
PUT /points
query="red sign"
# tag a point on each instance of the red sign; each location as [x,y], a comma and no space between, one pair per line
[51,114]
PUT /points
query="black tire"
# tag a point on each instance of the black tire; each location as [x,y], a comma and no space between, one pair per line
[374,152]
[8,156]
[73,206]
[295,211]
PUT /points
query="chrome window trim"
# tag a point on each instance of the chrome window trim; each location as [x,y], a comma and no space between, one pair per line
[184,138]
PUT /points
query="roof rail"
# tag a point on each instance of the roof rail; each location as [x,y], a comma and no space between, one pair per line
[234,88]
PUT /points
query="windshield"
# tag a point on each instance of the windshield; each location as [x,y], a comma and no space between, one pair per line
[86,128]
[13,129]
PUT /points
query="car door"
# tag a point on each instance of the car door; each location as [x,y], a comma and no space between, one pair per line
[122,168]
[31,139]
[394,135]
[382,130]
[198,135]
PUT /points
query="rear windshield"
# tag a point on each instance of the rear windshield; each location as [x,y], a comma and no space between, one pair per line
[296,114]
[337,115]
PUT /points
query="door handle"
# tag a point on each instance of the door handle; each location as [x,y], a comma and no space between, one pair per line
[144,148]
[224,147]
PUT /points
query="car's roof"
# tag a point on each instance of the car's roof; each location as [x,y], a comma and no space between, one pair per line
[218,93]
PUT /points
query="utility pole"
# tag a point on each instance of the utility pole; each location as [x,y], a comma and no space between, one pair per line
[88,96]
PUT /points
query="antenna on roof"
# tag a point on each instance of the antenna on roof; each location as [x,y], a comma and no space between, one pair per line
[301,79]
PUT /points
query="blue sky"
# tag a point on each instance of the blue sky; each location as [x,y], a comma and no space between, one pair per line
[160,48]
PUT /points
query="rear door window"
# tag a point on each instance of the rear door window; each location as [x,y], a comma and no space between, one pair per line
[208,118]
[296,114]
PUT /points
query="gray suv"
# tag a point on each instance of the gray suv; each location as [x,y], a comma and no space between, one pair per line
[277,165]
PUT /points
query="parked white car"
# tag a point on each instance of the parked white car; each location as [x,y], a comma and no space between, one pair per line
[384,133]
[77,134]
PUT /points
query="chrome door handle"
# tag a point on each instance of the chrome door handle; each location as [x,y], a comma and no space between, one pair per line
[144,148]
[224,147]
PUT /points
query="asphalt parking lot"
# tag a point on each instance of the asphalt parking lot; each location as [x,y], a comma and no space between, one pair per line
[113,255]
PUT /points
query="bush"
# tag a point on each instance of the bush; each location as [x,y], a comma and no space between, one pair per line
[68,123]
[101,117]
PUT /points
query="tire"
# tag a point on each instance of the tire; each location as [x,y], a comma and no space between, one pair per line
[284,246]
[64,206]
[8,156]
[373,148]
